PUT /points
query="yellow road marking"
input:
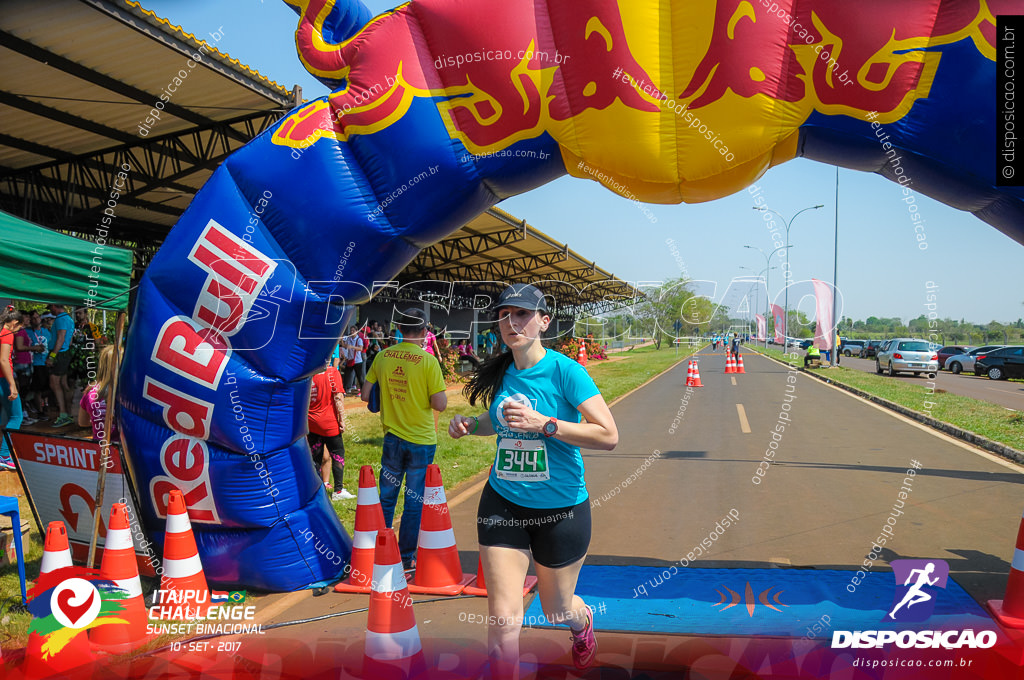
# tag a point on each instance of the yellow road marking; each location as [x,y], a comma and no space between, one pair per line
[744,425]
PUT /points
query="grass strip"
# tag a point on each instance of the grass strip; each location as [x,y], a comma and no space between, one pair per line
[992,421]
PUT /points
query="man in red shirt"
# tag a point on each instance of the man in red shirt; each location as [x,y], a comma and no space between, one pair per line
[326,422]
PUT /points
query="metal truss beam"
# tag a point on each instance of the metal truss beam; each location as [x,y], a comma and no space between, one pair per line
[69,193]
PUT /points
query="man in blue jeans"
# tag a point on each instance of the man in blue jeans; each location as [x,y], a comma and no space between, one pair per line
[410,386]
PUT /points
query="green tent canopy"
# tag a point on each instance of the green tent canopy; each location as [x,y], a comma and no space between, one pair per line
[43,266]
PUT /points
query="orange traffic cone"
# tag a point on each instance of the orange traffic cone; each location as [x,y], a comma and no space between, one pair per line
[76,657]
[369,520]
[479,586]
[739,364]
[696,375]
[183,571]
[1009,611]
[119,565]
[730,367]
[689,373]
[393,648]
[56,550]
[582,355]
[438,571]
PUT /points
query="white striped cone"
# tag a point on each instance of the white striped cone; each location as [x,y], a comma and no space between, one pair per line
[75,659]
[438,571]
[696,375]
[1010,610]
[119,565]
[183,570]
[689,373]
[56,549]
[393,648]
[369,520]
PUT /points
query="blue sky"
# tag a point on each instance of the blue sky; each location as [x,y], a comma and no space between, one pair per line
[881,270]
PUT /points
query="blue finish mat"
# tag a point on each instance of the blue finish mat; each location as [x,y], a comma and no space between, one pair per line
[780,602]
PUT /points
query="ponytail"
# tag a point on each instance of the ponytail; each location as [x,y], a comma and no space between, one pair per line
[10,314]
[487,379]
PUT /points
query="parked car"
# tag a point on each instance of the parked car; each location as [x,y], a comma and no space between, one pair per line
[870,348]
[806,343]
[907,355]
[1001,364]
[852,347]
[949,351]
[965,362]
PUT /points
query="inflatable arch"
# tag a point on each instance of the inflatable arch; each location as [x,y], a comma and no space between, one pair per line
[439,110]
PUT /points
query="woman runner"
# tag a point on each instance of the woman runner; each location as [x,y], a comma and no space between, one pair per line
[535,501]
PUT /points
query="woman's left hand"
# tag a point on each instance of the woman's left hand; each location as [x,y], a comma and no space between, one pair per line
[522,418]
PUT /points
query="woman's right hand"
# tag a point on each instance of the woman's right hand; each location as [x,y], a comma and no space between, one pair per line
[460,426]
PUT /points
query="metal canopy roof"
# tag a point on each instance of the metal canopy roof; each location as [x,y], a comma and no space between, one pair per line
[496,249]
[80,78]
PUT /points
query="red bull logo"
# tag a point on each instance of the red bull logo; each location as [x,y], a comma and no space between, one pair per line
[610,86]
[857,58]
[496,87]
[492,93]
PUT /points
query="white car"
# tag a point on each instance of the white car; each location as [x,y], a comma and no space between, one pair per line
[959,363]
[907,355]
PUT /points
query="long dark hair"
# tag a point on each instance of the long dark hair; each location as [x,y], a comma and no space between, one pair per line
[486,380]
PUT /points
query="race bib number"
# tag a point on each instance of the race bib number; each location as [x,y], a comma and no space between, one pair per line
[522,460]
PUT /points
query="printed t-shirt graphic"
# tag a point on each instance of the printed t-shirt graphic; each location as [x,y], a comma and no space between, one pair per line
[407,380]
[555,386]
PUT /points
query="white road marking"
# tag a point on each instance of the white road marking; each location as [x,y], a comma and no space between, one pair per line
[744,425]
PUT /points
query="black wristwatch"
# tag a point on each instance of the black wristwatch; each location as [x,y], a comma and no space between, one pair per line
[550,428]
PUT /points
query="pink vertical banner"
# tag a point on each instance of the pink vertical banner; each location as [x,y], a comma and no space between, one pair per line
[779,315]
[762,327]
[824,337]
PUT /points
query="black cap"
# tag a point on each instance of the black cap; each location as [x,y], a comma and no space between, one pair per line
[411,319]
[524,296]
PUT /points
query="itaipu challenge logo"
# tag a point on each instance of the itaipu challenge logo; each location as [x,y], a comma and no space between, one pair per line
[69,601]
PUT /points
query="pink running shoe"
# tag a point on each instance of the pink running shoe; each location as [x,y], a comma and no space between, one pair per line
[584,645]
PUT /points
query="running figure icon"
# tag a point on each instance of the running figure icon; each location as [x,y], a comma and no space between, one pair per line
[916,595]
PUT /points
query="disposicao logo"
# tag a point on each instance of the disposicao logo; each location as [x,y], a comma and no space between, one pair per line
[913,602]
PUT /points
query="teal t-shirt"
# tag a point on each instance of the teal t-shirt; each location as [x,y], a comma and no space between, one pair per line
[555,386]
[67,324]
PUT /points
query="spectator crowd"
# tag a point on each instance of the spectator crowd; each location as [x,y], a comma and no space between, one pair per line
[46,358]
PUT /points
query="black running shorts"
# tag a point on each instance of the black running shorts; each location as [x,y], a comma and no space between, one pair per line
[556,536]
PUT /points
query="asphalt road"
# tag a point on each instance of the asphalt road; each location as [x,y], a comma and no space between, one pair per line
[833,482]
[1006,393]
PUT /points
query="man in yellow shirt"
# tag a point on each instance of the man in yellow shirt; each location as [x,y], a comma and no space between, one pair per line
[410,386]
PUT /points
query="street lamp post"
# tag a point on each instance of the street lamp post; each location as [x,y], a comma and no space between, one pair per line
[757,297]
[785,324]
[767,290]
